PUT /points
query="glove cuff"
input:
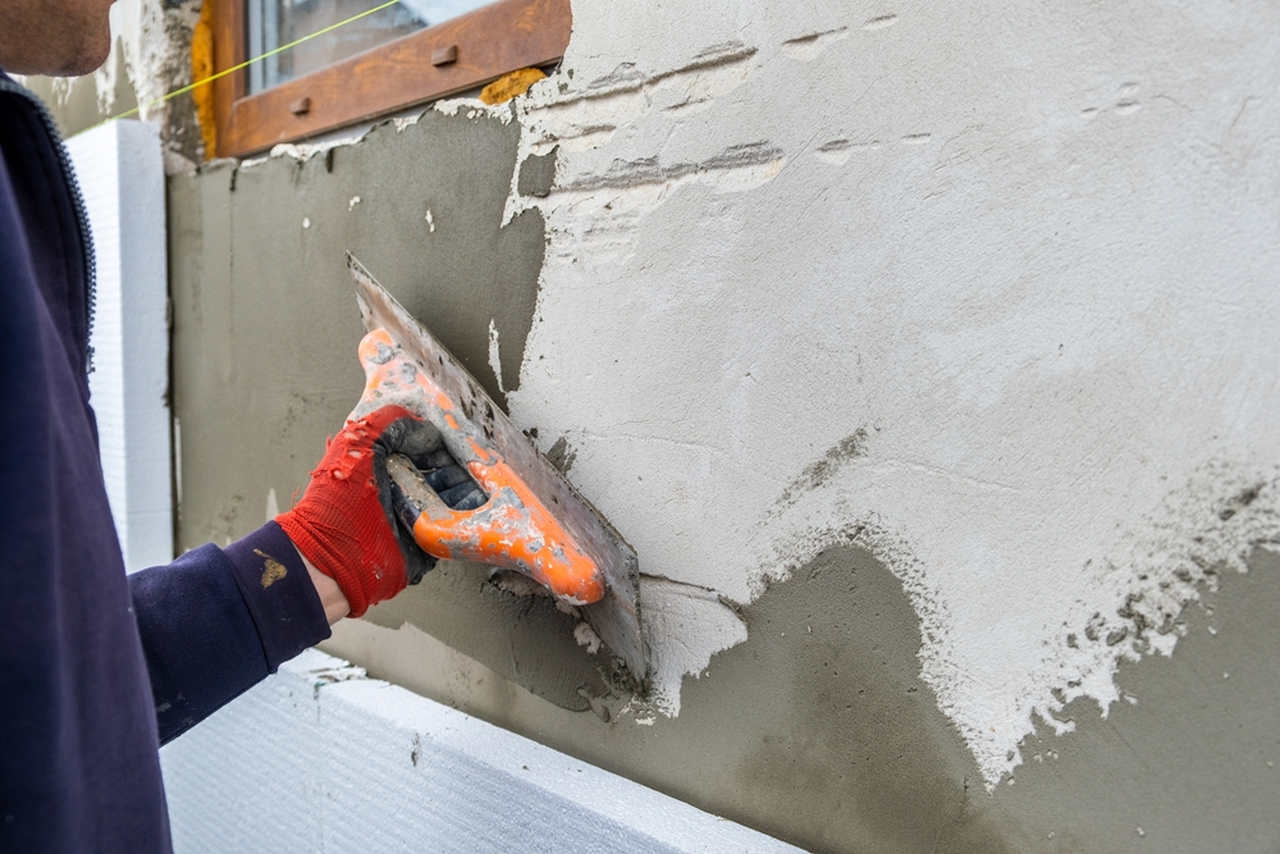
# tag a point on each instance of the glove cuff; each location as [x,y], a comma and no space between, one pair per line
[327,560]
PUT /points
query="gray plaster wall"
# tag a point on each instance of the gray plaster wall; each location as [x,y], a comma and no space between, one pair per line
[818,729]
[927,358]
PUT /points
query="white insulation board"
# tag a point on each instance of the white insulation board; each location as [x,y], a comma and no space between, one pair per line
[321,758]
[121,173]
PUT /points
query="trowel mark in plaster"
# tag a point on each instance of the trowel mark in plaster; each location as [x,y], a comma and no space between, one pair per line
[821,470]
[809,47]
[753,162]
[578,139]
[588,118]
[838,151]
[881,22]
[604,222]
[1127,100]
[627,77]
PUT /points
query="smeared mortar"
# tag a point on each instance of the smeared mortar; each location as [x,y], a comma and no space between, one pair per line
[1044,454]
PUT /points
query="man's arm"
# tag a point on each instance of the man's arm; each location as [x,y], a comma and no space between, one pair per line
[216,621]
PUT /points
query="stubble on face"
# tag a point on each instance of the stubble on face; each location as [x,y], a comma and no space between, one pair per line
[62,38]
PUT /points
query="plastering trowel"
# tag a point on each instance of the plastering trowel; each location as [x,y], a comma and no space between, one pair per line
[532,521]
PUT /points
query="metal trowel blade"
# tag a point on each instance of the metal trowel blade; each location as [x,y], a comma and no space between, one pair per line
[616,617]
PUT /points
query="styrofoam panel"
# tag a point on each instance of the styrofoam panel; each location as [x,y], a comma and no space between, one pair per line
[121,173]
[321,758]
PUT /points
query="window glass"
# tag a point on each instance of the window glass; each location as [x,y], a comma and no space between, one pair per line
[272,23]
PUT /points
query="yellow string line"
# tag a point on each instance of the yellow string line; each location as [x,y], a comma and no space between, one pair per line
[224,72]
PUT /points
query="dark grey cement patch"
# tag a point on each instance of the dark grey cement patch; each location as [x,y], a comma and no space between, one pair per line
[522,638]
[537,173]
[466,272]
[816,730]
[845,733]
[561,455]
[266,328]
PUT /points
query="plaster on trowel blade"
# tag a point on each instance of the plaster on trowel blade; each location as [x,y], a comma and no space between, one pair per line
[616,617]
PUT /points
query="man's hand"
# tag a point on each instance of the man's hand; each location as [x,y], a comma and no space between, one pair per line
[344,525]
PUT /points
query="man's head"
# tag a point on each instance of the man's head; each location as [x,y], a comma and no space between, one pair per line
[60,37]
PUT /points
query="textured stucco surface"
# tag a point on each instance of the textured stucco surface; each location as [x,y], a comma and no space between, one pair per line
[1031,291]
[928,354]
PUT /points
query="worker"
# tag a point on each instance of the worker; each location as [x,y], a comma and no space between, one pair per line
[98,669]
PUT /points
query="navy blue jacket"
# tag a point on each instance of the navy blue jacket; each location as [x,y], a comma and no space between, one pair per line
[98,669]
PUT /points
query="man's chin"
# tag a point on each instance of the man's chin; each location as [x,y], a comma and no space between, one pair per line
[87,60]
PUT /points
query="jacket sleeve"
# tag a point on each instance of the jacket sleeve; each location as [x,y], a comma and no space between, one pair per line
[216,621]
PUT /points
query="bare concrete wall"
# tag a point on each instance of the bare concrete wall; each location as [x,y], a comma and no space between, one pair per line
[930,355]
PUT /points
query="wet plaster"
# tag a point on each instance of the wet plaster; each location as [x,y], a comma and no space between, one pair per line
[816,730]
[1050,303]
[819,730]
[520,637]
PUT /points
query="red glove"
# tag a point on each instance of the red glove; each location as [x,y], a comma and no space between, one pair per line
[341,524]
[345,524]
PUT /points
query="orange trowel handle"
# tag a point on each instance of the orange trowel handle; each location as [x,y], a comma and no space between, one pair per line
[513,529]
[501,532]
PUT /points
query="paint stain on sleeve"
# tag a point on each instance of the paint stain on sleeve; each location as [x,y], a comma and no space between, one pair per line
[272,569]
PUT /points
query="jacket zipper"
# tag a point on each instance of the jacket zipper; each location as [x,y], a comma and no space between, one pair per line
[77,204]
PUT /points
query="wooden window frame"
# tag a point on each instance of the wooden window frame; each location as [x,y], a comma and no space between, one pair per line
[456,55]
